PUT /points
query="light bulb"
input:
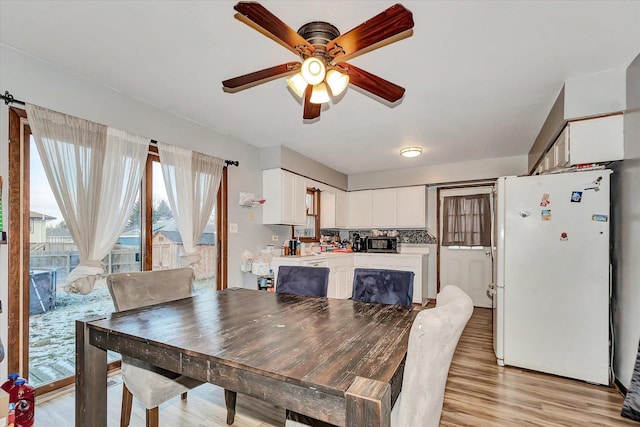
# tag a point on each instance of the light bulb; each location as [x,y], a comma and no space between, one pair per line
[313,70]
[319,94]
[337,82]
[297,84]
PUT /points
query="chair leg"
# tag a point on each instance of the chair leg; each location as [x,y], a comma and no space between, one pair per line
[230,401]
[184,396]
[152,417]
[127,400]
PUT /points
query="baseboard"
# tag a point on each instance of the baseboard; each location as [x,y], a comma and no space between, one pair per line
[621,388]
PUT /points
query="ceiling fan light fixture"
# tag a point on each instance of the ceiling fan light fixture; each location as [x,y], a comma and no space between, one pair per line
[298,84]
[313,70]
[337,82]
[319,94]
[411,152]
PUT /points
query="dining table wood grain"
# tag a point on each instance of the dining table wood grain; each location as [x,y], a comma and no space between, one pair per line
[340,361]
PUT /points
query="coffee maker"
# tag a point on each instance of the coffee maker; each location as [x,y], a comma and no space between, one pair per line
[357,243]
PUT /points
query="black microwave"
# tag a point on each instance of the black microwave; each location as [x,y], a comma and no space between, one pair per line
[382,244]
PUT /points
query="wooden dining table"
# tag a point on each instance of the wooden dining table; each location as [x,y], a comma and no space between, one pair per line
[339,361]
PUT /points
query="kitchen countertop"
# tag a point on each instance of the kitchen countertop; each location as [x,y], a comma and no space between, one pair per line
[422,251]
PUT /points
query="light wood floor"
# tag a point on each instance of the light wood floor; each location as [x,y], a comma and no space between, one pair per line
[479,393]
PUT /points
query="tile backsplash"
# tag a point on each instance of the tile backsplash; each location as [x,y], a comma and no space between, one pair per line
[420,236]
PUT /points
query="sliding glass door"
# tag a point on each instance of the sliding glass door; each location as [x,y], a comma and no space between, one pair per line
[42,252]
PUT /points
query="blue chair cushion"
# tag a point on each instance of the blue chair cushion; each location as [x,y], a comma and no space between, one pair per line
[383,286]
[310,281]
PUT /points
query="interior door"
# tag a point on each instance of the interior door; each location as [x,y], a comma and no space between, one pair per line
[468,267]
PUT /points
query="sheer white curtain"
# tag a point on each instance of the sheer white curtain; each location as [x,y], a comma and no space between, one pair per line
[192,180]
[95,173]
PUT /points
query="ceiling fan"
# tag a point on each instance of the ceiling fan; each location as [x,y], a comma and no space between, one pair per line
[323,51]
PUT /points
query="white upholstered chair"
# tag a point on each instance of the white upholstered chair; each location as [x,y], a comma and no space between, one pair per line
[432,341]
[149,384]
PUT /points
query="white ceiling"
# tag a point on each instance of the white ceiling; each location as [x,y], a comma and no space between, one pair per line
[480,76]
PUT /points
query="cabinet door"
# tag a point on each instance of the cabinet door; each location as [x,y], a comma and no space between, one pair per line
[341,209]
[327,210]
[596,140]
[359,209]
[384,208]
[299,200]
[288,197]
[285,197]
[272,192]
[411,207]
[343,285]
[561,149]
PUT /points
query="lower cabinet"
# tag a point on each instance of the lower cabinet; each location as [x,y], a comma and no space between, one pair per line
[404,262]
[342,268]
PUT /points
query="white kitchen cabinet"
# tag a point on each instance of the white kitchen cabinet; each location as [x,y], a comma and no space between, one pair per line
[359,209]
[561,149]
[401,207]
[285,194]
[338,265]
[339,284]
[404,262]
[333,208]
[411,203]
[342,268]
[327,210]
[384,207]
[341,209]
[596,140]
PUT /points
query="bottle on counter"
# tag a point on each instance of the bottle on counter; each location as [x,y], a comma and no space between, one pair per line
[25,405]
[9,383]
[298,247]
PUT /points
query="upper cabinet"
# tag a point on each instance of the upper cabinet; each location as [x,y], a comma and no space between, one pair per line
[402,207]
[596,140]
[285,194]
[359,209]
[412,207]
[384,207]
[341,209]
[333,208]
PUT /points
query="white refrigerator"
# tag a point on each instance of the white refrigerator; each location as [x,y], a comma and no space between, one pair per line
[551,290]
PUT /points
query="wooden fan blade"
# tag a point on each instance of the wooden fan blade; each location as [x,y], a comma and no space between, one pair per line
[311,111]
[257,16]
[393,22]
[372,83]
[239,83]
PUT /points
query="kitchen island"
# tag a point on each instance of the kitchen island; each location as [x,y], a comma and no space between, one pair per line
[343,264]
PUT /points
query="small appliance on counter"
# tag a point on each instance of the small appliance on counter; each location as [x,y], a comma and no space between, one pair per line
[381,244]
[357,243]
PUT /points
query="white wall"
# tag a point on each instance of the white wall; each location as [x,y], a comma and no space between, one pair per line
[595,94]
[440,174]
[286,158]
[626,286]
[32,80]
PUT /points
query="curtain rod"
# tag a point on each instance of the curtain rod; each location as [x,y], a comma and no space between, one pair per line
[9,99]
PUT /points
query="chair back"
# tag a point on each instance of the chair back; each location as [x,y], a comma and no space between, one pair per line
[383,286]
[300,280]
[432,341]
[143,288]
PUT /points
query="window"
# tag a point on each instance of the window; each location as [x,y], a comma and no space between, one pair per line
[466,221]
[310,232]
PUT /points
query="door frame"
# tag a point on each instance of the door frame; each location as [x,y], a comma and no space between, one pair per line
[19,248]
[483,184]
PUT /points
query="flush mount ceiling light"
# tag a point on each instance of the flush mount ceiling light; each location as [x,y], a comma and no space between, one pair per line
[322,71]
[411,152]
